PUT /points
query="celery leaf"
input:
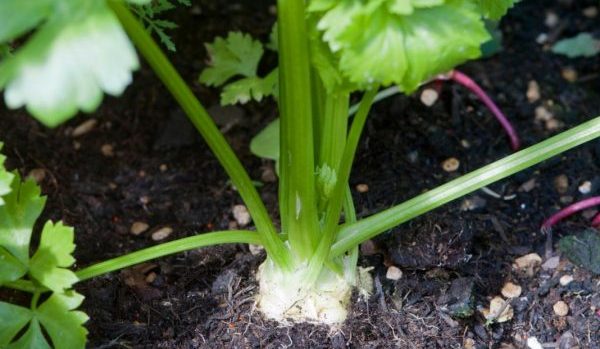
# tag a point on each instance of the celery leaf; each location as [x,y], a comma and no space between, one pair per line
[6,178]
[236,55]
[12,320]
[57,316]
[22,207]
[582,45]
[78,52]
[399,42]
[495,9]
[18,17]
[48,264]
[252,88]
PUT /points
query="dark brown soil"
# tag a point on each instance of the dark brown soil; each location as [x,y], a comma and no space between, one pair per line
[162,173]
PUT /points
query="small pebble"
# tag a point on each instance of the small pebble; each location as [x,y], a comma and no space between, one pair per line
[76,145]
[585,187]
[138,228]
[561,308]
[469,343]
[84,128]
[561,184]
[145,200]
[528,186]
[533,343]
[533,91]
[510,290]
[528,261]
[429,96]
[163,168]
[565,280]
[255,249]
[362,188]
[465,144]
[162,233]
[268,174]
[107,150]
[451,165]
[551,263]
[241,215]
[590,12]
[393,273]
[542,38]
[37,174]
[151,277]
[551,20]
[499,310]
[553,125]
[543,114]
[569,74]
[474,203]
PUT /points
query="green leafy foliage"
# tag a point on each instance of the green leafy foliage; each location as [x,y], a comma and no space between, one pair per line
[496,9]
[21,207]
[583,249]
[6,178]
[77,51]
[48,264]
[266,143]
[238,56]
[149,13]
[582,45]
[398,41]
[58,317]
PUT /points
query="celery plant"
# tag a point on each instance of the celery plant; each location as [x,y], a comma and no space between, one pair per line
[327,50]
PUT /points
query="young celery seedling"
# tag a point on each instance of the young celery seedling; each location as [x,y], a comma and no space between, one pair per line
[327,50]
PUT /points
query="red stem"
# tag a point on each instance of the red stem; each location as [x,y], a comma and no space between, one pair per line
[472,86]
[571,209]
[596,221]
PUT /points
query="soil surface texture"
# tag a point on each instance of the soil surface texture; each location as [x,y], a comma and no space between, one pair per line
[142,165]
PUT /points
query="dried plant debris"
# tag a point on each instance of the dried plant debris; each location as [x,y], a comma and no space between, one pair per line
[583,249]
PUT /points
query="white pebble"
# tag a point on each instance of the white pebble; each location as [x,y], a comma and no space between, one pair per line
[162,233]
[585,187]
[138,227]
[84,127]
[561,308]
[393,273]
[566,279]
[429,96]
[533,343]
[511,290]
[241,215]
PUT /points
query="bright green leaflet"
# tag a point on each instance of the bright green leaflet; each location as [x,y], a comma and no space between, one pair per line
[48,264]
[381,42]
[148,14]
[22,207]
[57,315]
[5,178]
[78,52]
[582,45]
[237,56]
[496,9]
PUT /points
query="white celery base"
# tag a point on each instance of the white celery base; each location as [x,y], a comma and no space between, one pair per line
[283,296]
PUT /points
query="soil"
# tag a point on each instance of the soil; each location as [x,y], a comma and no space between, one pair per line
[161,173]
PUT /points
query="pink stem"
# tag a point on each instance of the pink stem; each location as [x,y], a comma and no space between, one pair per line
[596,221]
[467,82]
[570,210]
